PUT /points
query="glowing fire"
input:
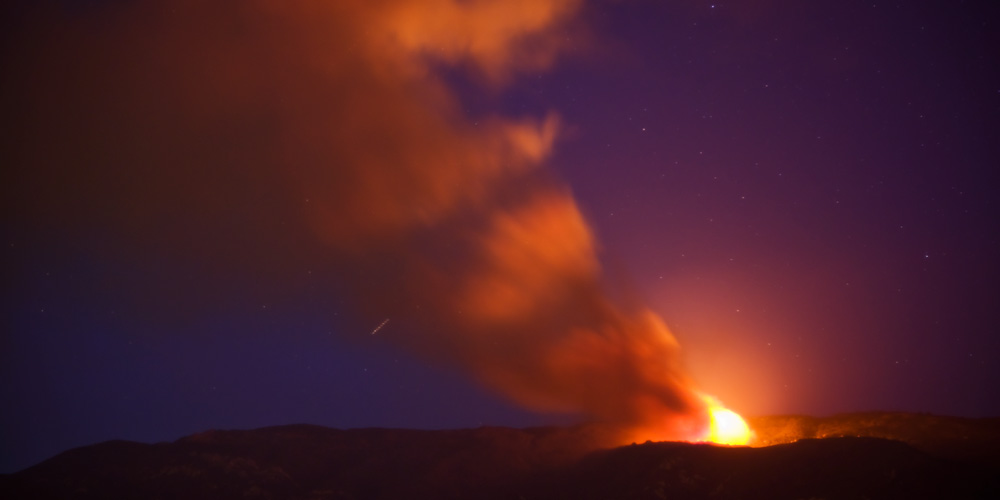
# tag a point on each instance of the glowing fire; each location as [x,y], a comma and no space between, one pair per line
[726,426]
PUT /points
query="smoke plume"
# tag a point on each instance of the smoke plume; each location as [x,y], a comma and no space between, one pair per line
[245,138]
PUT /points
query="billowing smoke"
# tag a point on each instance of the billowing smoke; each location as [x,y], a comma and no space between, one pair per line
[245,138]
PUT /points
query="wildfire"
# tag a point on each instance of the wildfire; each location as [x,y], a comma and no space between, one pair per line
[725,426]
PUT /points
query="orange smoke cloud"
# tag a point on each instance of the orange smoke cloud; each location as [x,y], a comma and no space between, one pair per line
[249,137]
[495,36]
[538,253]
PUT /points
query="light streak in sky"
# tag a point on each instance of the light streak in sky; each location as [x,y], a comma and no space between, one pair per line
[380,325]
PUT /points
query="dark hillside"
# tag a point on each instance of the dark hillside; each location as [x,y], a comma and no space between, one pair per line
[931,457]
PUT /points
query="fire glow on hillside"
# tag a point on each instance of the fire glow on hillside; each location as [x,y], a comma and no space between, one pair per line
[726,426]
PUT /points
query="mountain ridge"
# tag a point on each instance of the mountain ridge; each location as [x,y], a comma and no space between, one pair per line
[305,461]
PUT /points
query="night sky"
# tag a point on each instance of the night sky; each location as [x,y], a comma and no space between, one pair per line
[211,211]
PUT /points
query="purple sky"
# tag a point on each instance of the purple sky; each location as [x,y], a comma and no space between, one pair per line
[804,191]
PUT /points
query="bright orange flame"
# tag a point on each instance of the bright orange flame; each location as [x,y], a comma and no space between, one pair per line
[726,426]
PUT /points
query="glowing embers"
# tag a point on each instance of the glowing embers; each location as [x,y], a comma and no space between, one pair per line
[725,425]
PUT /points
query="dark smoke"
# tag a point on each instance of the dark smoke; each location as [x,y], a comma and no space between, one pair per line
[249,139]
